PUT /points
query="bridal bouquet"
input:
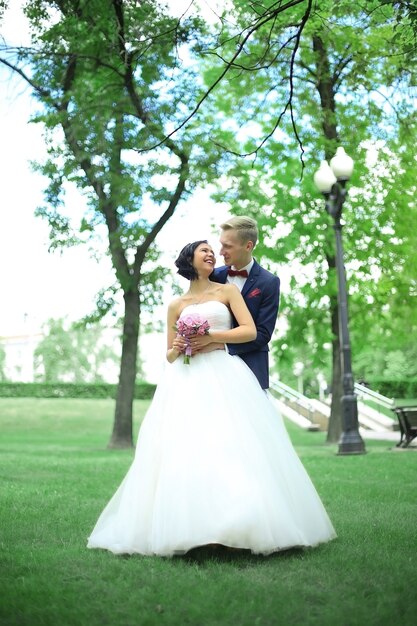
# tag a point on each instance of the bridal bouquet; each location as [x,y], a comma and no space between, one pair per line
[192,324]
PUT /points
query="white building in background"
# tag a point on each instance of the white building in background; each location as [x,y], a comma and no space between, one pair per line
[19,339]
[19,350]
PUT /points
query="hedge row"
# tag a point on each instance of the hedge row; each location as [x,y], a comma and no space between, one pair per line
[143,391]
[400,389]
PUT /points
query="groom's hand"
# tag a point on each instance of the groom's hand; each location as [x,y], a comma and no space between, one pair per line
[199,342]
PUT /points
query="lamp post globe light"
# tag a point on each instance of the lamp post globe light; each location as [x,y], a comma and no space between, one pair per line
[331,181]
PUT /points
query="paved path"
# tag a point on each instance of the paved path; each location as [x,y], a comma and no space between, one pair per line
[386,436]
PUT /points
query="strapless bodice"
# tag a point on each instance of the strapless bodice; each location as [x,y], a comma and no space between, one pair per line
[216,313]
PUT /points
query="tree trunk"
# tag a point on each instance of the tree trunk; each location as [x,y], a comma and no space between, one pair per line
[122,436]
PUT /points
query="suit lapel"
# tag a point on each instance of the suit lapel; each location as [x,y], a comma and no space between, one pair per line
[252,278]
[221,274]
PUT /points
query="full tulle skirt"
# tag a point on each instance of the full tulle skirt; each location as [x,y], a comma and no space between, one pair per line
[213,464]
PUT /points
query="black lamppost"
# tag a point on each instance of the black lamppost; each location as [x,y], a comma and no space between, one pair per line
[331,181]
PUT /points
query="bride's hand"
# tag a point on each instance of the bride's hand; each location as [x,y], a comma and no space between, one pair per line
[179,344]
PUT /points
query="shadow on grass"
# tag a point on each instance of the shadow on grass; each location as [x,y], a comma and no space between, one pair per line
[224,554]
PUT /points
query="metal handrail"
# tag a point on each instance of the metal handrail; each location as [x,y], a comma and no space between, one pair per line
[376,397]
[294,396]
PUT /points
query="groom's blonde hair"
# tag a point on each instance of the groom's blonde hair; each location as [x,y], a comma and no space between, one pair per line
[245,227]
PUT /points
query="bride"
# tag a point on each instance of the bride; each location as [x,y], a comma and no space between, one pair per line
[213,462]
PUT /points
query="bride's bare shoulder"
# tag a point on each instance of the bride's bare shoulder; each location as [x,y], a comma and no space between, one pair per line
[225,293]
[178,304]
[229,289]
[175,305]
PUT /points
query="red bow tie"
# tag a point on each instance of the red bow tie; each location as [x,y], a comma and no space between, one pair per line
[243,273]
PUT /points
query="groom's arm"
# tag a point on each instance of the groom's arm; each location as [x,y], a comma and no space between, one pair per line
[265,319]
[211,347]
[219,275]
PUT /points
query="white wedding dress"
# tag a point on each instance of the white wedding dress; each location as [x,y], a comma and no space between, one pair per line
[213,465]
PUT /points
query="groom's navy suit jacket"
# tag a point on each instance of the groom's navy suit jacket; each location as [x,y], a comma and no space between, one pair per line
[261,294]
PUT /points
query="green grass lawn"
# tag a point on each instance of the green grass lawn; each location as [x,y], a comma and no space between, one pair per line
[57,475]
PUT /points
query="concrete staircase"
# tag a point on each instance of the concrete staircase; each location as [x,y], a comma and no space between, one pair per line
[313,414]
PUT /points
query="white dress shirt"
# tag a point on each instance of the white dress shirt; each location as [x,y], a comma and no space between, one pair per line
[239,281]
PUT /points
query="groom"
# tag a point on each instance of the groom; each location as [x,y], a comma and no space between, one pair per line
[259,288]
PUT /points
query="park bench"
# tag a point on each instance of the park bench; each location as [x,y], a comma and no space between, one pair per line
[407,417]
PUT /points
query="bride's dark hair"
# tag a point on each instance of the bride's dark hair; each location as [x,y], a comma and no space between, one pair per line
[185,260]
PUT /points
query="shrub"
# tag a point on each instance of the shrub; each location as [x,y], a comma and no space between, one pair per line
[398,389]
[143,391]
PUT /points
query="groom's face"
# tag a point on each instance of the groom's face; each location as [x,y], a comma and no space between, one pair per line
[233,250]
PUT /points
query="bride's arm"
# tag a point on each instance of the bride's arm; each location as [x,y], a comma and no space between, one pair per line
[246,331]
[172,317]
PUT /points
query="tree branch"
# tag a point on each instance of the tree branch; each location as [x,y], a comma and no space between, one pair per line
[44,93]
[126,58]
[288,104]
[342,63]
[157,227]
[105,203]
[268,15]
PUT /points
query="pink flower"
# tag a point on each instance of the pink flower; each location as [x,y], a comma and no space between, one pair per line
[190,320]
[203,328]
[191,324]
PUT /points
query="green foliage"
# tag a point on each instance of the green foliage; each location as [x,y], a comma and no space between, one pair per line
[387,353]
[143,390]
[106,300]
[397,388]
[72,353]
[353,84]
[406,12]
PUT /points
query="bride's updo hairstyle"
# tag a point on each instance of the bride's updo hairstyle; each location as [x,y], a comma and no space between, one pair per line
[185,260]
